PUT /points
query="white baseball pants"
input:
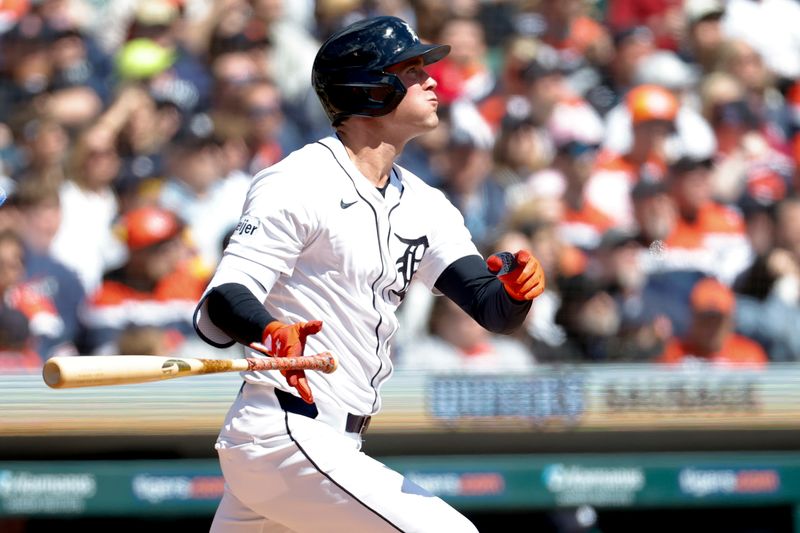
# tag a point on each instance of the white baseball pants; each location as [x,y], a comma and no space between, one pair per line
[298,474]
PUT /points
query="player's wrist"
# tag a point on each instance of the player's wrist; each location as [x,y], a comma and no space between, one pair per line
[270,329]
[515,296]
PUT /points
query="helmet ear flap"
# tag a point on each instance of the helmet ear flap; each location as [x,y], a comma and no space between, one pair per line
[364,94]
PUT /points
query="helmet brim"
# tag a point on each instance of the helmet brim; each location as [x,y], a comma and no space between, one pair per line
[430,53]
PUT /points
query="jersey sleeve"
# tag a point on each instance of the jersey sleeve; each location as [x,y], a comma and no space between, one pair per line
[274,227]
[448,239]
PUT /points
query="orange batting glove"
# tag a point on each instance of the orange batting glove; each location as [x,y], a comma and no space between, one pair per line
[289,340]
[521,274]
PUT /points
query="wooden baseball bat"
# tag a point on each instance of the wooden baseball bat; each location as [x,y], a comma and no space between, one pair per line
[97,370]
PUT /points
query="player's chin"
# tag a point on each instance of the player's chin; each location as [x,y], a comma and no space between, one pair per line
[430,121]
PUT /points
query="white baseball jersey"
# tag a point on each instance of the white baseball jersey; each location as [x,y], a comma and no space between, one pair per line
[318,241]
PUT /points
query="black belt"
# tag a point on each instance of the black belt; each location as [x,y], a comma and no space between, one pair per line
[293,404]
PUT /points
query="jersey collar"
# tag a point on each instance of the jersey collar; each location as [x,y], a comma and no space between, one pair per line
[364,186]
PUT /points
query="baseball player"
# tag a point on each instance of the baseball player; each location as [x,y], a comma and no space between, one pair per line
[328,243]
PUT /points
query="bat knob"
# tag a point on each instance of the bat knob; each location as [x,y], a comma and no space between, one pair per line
[51,373]
[501,263]
[334,362]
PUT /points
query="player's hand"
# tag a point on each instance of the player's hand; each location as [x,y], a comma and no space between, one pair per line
[521,274]
[289,340]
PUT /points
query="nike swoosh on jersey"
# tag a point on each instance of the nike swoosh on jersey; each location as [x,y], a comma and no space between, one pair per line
[344,205]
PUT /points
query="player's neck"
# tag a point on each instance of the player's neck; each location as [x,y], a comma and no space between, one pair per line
[374,159]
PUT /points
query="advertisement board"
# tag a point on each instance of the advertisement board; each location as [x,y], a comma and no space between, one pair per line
[185,487]
[572,398]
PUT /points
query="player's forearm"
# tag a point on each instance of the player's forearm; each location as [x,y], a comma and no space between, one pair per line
[236,311]
[478,292]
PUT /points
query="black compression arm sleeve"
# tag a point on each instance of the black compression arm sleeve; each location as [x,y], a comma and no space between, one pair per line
[236,311]
[477,291]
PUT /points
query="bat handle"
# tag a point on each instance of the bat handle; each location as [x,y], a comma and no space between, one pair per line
[502,263]
[323,362]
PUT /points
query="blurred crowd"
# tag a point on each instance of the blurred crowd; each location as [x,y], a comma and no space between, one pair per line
[647,152]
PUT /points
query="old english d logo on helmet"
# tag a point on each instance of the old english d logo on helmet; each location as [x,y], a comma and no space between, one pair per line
[349,73]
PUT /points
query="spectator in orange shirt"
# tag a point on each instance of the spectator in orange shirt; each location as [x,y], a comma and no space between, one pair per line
[709,236]
[653,112]
[711,336]
[158,286]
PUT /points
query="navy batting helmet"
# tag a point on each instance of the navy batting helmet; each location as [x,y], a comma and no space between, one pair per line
[349,73]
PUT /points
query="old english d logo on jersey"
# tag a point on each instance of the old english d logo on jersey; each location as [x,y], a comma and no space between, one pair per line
[408,263]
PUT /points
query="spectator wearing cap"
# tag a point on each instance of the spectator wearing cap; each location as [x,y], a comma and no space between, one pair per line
[708,235]
[84,241]
[158,285]
[653,111]
[576,132]
[692,134]
[208,199]
[711,338]
[704,36]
